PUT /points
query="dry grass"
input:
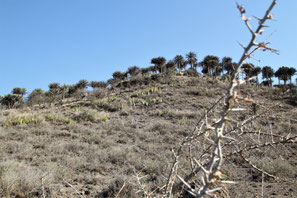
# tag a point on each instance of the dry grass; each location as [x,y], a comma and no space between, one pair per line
[98,155]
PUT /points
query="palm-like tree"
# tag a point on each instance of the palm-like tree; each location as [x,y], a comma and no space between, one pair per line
[159,63]
[291,72]
[219,69]
[152,69]
[11,100]
[98,84]
[54,86]
[210,64]
[191,59]
[19,91]
[180,62]
[282,74]
[133,71]
[247,69]
[54,89]
[267,73]
[170,67]
[82,84]
[37,95]
[117,75]
[227,65]
[255,72]
[144,70]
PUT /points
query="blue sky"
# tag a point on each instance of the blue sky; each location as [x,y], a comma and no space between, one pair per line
[68,40]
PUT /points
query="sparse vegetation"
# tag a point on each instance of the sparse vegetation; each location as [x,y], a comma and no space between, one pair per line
[58,119]
[91,115]
[134,135]
[110,103]
[22,119]
[183,120]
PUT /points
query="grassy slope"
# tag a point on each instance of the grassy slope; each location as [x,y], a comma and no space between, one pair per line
[97,150]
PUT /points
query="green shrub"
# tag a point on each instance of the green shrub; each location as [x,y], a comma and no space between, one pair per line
[23,119]
[111,104]
[163,113]
[146,97]
[58,119]
[148,101]
[87,116]
[111,107]
[184,120]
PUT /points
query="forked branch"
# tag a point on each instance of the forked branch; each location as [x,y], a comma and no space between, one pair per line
[216,160]
[212,171]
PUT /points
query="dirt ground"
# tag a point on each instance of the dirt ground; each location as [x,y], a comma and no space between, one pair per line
[98,146]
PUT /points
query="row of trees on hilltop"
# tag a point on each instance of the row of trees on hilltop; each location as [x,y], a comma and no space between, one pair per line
[283,73]
[210,65]
[56,91]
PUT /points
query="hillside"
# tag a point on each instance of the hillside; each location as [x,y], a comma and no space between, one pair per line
[98,141]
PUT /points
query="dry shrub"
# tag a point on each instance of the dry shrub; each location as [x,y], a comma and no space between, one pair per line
[278,167]
[163,127]
[98,93]
[119,188]
[91,115]
[199,91]
[19,180]
[108,104]
[117,155]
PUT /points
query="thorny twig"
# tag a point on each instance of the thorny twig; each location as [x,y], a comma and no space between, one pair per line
[212,172]
[71,186]
[216,160]
[173,170]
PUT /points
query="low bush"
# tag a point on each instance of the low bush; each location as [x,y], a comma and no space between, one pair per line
[19,180]
[22,119]
[184,120]
[278,167]
[58,119]
[92,116]
[198,91]
[111,104]
[191,72]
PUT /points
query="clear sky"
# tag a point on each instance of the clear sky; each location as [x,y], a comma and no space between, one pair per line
[45,41]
